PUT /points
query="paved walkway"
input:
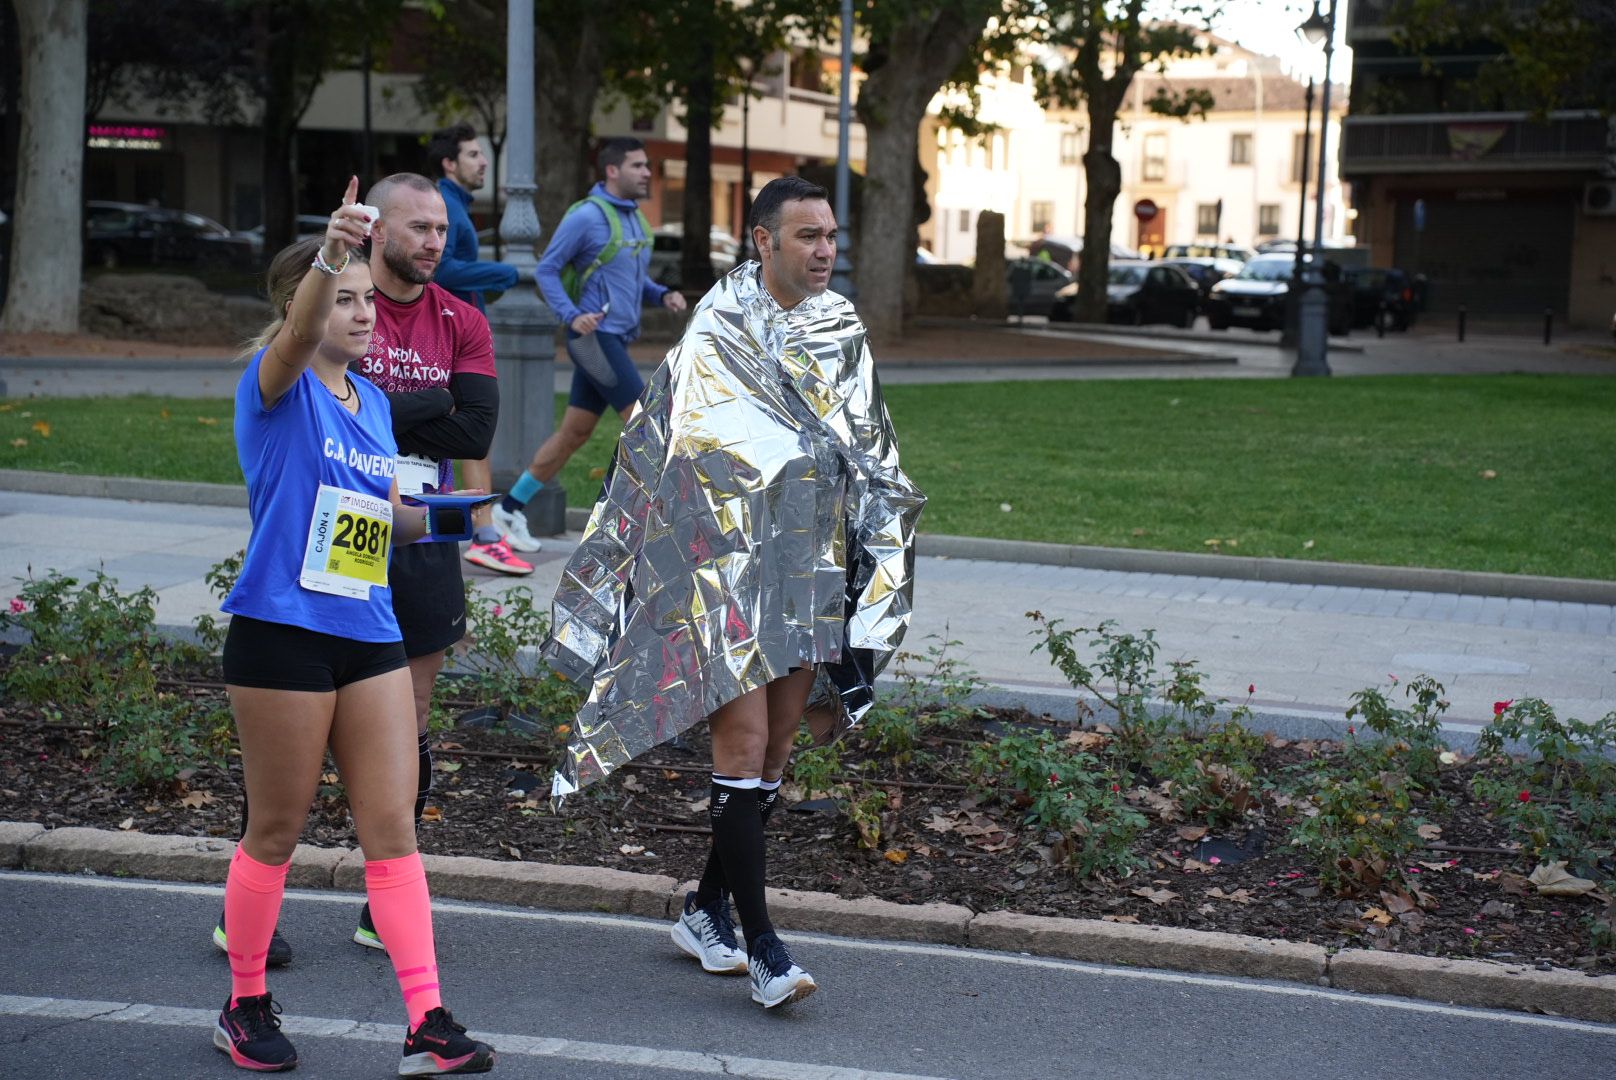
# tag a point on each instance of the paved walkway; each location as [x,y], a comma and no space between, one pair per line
[1306,648]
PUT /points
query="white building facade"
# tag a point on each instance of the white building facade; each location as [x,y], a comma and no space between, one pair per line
[1234,176]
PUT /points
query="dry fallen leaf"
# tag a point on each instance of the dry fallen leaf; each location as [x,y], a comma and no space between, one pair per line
[631,782]
[1378,916]
[1307,545]
[1239,896]
[1130,919]
[432,813]
[1553,879]
[1157,896]
[165,414]
[196,800]
[446,766]
[597,473]
[895,856]
[1191,833]
[1196,864]
[632,849]
[126,824]
[1489,474]
[1429,832]
[1086,740]
[669,774]
[42,428]
[1396,903]
[19,443]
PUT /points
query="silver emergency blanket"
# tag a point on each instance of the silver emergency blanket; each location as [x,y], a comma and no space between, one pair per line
[754,520]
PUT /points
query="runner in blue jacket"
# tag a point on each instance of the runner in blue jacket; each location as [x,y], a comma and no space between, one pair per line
[598,300]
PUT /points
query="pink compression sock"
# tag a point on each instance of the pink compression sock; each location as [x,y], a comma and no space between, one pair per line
[252,905]
[401,908]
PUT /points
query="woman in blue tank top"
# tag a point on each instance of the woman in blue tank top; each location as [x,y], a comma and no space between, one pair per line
[313,658]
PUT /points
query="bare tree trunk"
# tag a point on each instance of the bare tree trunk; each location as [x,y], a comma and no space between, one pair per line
[906,70]
[567,79]
[47,238]
[695,257]
[1103,179]
[278,120]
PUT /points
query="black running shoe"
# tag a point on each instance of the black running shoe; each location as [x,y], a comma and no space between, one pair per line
[440,1046]
[280,951]
[251,1034]
[365,934]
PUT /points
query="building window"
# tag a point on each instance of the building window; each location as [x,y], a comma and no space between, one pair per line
[1070,151]
[1268,219]
[1240,148]
[1206,219]
[1043,215]
[964,221]
[1300,144]
[1155,156]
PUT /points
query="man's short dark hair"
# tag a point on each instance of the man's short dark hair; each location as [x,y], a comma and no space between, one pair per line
[446,143]
[772,199]
[614,150]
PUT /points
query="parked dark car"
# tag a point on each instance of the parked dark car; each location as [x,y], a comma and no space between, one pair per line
[307,225]
[1065,250]
[1137,293]
[1041,279]
[1256,296]
[1374,288]
[1205,271]
[131,234]
[1238,253]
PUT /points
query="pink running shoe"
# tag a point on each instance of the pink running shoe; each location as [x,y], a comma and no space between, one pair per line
[497,557]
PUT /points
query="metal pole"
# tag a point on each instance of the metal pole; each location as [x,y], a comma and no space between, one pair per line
[842,273]
[366,157]
[1324,141]
[1293,299]
[745,229]
[523,324]
[1307,154]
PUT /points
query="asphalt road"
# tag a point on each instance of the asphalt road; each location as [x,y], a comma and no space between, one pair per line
[108,977]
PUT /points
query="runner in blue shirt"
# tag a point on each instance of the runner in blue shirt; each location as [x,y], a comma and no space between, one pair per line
[313,658]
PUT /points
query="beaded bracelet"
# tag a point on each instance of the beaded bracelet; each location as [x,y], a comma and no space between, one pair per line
[324,267]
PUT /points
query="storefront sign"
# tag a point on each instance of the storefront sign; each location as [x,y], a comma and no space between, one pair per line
[127,137]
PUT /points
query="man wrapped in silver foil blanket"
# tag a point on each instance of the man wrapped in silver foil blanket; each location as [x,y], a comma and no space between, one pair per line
[751,558]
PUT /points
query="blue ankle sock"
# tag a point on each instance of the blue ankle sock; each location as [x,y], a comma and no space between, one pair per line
[524,489]
[486,534]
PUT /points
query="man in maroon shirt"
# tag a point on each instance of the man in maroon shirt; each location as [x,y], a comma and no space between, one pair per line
[433,354]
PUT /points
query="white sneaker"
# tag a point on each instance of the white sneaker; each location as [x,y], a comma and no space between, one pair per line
[513,523]
[776,978]
[708,934]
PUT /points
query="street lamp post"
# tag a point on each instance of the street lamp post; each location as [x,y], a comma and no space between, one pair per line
[523,324]
[841,278]
[1293,301]
[1313,308]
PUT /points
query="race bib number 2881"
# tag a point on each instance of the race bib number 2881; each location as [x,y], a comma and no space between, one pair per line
[350,539]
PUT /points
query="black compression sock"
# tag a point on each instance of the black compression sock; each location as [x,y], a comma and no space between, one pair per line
[423,780]
[738,840]
[510,504]
[768,795]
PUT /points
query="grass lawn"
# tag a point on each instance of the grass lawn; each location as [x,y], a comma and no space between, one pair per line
[1501,473]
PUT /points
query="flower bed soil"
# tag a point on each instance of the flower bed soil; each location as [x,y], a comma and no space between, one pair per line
[938,843]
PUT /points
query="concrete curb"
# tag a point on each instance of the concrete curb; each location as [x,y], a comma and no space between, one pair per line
[1127,560]
[29,846]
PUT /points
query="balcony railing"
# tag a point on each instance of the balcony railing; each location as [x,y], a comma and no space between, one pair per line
[1474,142]
[1376,20]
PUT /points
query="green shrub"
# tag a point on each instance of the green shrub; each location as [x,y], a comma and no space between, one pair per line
[153,744]
[504,672]
[1361,831]
[1560,798]
[1066,790]
[90,648]
[1408,740]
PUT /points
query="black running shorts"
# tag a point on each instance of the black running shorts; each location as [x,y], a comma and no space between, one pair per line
[276,656]
[429,596]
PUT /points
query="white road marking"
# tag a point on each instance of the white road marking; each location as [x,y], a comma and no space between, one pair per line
[951,952]
[120,1012]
